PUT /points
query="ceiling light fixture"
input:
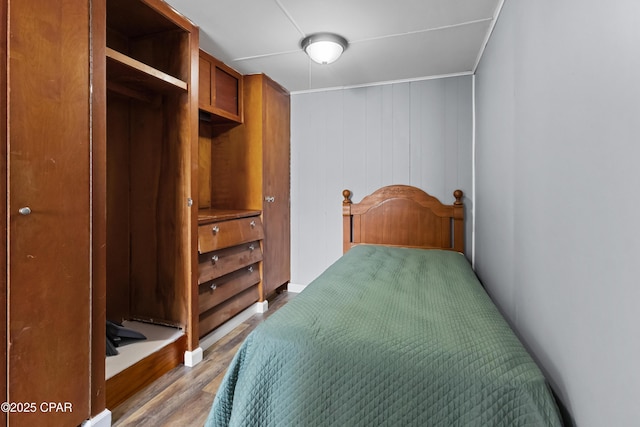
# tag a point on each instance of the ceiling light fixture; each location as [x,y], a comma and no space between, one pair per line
[324,48]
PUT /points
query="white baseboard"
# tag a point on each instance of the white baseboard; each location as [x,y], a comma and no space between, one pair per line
[262,306]
[192,358]
[296,289]
[103,419]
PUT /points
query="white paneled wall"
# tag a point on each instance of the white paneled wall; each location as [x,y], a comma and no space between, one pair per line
[558,236]
[417,133]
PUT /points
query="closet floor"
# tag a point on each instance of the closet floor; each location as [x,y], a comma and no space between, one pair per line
[157,336]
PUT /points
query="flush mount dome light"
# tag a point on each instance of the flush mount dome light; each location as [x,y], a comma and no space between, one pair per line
[324,48]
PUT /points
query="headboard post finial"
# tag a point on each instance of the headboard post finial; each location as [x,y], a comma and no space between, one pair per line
[347,197]
[458,195]
[346,221]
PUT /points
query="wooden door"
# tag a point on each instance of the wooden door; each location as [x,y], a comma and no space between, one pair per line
[49,223]
[276,216]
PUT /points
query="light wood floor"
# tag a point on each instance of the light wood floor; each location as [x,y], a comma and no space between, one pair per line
[184,395]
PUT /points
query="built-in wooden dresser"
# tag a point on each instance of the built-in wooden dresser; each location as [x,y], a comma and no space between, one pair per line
[229,262]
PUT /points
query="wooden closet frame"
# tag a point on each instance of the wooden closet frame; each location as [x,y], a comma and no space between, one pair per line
[99,188]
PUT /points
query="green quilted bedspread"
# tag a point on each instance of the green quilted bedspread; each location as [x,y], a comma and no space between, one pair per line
[386,337]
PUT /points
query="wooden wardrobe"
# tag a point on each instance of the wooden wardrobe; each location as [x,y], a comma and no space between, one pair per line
[267,122]
[100,167]
[244,171]
[99,164]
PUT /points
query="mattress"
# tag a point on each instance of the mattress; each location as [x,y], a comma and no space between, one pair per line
[386,336]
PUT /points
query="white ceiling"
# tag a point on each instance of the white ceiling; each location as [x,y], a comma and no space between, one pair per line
[388,40]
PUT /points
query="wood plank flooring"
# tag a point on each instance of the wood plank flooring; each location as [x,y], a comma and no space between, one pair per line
[183,396]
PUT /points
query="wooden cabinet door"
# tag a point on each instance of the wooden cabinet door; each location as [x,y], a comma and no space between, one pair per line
[49,227]
[220,89]
[276,177]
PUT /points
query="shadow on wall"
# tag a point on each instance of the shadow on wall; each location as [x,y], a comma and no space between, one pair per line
[567,420]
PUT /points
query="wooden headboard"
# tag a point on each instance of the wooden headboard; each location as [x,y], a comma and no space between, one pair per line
[402,215]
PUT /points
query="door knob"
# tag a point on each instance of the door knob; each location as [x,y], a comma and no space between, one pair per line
[25,211]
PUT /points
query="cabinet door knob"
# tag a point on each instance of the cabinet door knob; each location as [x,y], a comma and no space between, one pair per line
[24,211]
[252,224]
[250,269]
[213,286]
[251,247]
[214,259]
[215,229]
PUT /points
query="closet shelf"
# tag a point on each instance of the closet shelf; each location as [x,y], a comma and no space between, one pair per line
[124,70]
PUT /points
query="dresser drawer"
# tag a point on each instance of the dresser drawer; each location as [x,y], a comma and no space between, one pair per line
[219,314]
[224,261]
[223,234]
[221,289]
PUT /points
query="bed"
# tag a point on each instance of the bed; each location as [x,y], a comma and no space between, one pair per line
[398,331]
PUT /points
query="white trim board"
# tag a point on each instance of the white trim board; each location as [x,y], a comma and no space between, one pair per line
[103,419]
[389,82]
[473,171]
[192,358]
[294,288]
[488,36]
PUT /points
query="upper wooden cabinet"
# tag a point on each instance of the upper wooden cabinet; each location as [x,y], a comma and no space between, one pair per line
[220,91]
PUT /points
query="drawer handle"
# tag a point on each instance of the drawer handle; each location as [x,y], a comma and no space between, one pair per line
[213,286]
[252,224]
[214,259]
[251,247]
[250,269]
[215,229]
